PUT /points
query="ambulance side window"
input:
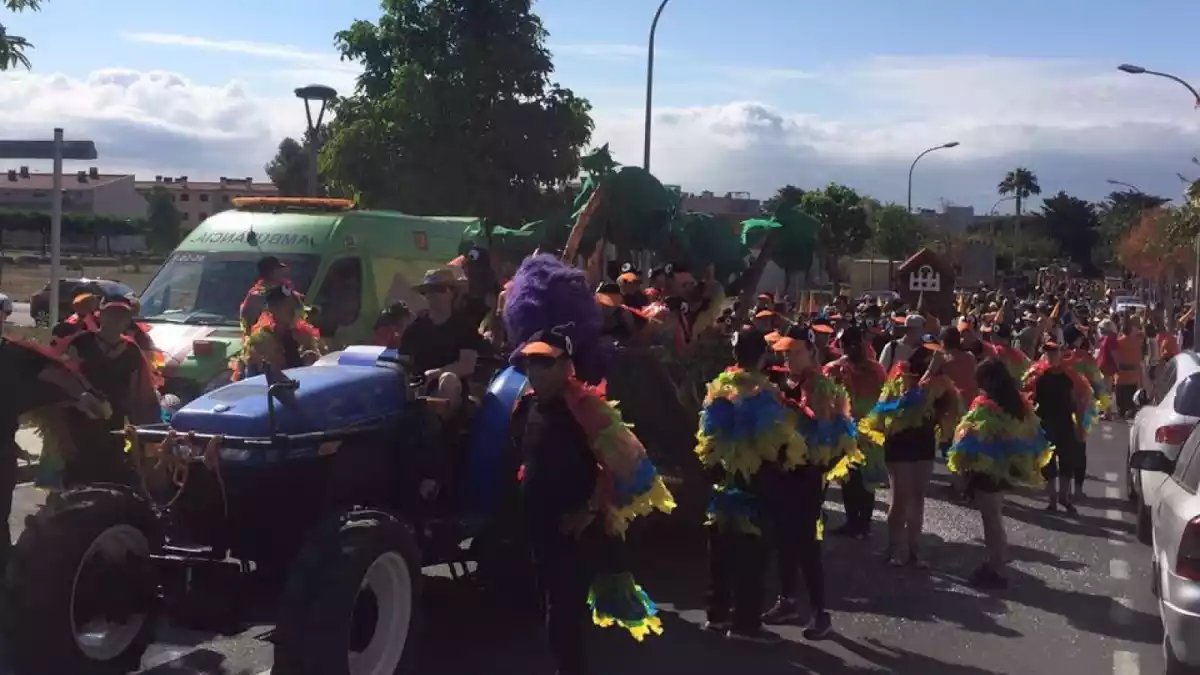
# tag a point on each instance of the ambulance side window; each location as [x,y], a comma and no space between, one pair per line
[340,298]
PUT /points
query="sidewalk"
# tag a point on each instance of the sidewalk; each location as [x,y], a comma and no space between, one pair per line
[31,443]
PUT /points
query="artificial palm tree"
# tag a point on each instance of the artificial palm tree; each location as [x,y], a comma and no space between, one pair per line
[12,47]
[1022,184]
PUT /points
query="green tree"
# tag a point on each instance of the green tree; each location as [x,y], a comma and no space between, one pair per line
[288,170]
[788,195]
[455,112]
[844,230]
[1119,214]
[12,47]
[1071,223]
[163,221]
[1022,184]
[895,233]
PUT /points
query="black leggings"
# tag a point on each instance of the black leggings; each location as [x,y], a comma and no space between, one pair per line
[859,500]
[797,509]
[736,566]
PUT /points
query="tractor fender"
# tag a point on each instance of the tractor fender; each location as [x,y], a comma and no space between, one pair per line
[489,440]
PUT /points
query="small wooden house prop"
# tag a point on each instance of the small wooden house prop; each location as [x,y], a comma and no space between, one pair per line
[927,278]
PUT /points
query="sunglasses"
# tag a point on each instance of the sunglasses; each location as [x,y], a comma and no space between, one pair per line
[535,361]
[434,289]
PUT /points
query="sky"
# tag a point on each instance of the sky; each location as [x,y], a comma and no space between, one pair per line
[748,96]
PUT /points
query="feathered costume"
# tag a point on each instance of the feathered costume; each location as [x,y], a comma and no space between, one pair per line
[1082,361]
[909,400]
[863,382]
[1010,356]
[262,347]
[1085,402]
[825,423]
[992,442]
[545,293]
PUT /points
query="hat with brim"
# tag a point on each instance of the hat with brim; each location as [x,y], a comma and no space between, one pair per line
[628,278]
[82,298]
[610,299]
[443,277]
[931,342]
[823,327]
[553,343]
[764,314]
[794,336]
[118,304]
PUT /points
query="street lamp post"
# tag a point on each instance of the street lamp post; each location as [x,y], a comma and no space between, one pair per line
[1138,70]
[324,94]
[650,86]
[951,144]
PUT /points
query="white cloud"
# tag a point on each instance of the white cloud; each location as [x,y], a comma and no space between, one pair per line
[1073,123]
[261,49]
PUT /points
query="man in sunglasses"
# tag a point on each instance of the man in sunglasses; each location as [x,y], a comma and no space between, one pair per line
[444,346]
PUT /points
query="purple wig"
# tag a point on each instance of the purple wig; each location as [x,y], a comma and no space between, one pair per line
[546,293]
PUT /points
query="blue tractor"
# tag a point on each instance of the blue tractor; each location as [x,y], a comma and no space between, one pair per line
[299,495]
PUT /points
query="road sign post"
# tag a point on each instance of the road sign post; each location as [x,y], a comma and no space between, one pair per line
[56,150]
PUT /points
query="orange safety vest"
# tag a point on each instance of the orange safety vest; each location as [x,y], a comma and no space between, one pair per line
[1129,360]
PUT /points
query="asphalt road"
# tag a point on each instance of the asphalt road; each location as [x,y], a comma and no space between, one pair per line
[1078,604]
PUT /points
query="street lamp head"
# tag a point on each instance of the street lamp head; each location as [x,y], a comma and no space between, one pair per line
[1131,69]
[1110,181]
[316,92]
[951,144]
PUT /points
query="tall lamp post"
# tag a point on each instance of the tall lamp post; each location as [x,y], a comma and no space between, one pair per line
[946,146]
[650,86]
[324,94]
[1138,70]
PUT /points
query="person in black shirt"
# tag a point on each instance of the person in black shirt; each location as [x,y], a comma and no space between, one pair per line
[443,345]
[44,381]
[620,322]
[1060,405]
[558,479]
[117,368]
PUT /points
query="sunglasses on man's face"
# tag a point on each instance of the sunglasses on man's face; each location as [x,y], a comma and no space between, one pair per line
[534,362]
[434,289]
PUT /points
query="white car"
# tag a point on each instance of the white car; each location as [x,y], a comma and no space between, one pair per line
[1167,412]
[1121,302]
[1175,581]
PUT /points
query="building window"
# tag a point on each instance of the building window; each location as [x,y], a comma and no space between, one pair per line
[184,197]
[203,197]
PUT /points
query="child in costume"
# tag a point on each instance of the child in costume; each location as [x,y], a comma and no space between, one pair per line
[584,476]
[998,444]
[747,434]
[862,377]
[1061,398]
[280,338]
[917,405]
[822,410]
[1001,347]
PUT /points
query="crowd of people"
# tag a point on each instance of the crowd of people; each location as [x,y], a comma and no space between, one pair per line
[861,393]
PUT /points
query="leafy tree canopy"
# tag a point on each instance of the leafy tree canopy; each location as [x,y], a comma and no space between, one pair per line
[786,196]
[1073,224]
[895,233]
[12,47]
[163,221]
[288,169]
[455,112]
[1022,184]
[842,215]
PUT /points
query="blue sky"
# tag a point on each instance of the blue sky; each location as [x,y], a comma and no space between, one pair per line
[750,94]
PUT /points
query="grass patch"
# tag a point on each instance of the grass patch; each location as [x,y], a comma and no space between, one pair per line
[21,282]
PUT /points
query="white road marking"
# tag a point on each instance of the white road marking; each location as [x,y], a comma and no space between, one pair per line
[1116,541]
[1124,663]
[1114,514]
[1121,611]
[1118,569]
[1111,477]
[1112,492]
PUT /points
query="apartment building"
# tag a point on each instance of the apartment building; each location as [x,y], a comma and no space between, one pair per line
[84,192]
[736,206]
[197,200]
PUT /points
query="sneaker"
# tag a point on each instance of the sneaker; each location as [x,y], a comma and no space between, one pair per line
[1052,507]
[756,634]
[784,611]
[721,627]
[1070,508]
[986,577]
[820,628]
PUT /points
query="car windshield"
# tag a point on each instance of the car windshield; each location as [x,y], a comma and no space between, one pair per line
[1128,300]
[1187,396]
[208,288]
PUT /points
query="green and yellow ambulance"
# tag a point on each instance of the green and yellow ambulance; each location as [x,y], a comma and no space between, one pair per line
[348,264]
